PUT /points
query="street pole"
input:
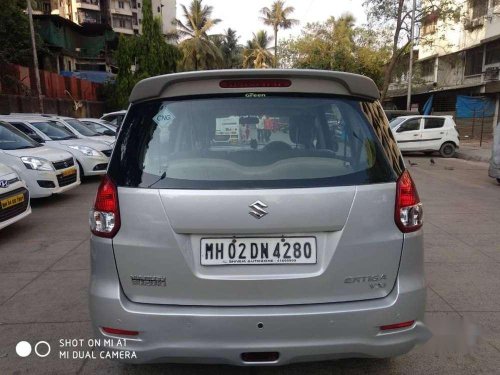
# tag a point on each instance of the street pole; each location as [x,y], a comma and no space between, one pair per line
[410,67]
[35,57]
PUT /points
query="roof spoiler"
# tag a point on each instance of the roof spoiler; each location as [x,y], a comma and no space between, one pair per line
[303,81]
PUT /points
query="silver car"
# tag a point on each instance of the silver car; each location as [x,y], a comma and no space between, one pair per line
[292,241]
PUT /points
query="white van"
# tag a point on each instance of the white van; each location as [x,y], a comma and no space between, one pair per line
[427,134]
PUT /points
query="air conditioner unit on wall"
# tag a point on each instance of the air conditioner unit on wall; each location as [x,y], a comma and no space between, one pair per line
[492,74]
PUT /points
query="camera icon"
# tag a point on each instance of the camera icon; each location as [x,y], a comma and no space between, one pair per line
[42,349]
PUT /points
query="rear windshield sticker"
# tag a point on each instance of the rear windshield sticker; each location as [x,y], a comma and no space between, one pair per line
[164,117]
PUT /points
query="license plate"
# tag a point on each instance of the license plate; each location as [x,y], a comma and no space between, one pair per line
[12,201]
[258,251]
[68,172]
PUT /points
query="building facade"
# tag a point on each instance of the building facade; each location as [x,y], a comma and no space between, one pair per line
[458,57]
[124,16]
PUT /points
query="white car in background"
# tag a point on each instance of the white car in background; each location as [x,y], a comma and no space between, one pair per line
[83,131]
[45,170]
[14,197]
[116,118]
[92,156]
[426,134]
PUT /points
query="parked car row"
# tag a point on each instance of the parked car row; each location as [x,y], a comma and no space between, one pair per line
[42,155]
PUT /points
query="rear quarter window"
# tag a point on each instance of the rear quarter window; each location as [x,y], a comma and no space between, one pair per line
[273,141]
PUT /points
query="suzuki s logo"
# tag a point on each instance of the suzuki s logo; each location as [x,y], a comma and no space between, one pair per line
[257,209]
[5,183]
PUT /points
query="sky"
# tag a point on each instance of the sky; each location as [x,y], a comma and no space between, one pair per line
[243,15]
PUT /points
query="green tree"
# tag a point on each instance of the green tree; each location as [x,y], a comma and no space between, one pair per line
[257,54]
[139,57]
[337,44]
[396,15]
[278,18]
[198,49]
[15,42]
[231,50]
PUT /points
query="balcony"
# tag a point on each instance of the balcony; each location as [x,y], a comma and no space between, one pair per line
[88,4]
[121,11]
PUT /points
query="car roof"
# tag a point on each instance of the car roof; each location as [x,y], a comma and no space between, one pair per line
[303,81]
[424,116]
[120,112]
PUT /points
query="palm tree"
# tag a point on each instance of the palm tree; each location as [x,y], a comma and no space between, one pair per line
[199,51]
[231,50]
[277,18]
[256,53]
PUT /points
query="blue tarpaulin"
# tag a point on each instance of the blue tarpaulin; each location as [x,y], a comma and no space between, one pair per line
[474,106]
[427,110]
[90,75]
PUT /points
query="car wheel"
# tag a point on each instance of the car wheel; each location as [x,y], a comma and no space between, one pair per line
[498,180]
[447,150]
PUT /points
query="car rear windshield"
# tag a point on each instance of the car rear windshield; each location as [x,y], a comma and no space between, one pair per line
[248,141]
[53,129]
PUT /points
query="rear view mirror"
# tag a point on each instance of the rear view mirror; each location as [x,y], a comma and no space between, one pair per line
[108,132]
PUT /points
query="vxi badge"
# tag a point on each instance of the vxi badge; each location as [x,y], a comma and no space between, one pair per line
[376,281]
[148,280]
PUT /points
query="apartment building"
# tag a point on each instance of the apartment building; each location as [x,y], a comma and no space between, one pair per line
[459,57]
[124,16]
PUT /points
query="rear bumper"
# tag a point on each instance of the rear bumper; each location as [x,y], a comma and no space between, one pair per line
[221,334]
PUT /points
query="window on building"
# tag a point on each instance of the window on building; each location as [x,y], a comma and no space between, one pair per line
[122,22]
[429,24]
[493,52]
[474,61]
[121,5]
[138,5]
[479,8]
[433,123]
[427,68]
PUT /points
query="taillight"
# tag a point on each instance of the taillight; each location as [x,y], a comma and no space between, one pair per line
[105,216]
[409,212]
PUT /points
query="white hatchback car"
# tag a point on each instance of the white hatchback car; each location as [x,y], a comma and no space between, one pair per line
[91,156]
[45,170]
[427,134]
[83,131]
[14,197]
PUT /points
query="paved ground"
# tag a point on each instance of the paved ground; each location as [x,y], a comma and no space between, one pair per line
[44,270]
[474,151]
